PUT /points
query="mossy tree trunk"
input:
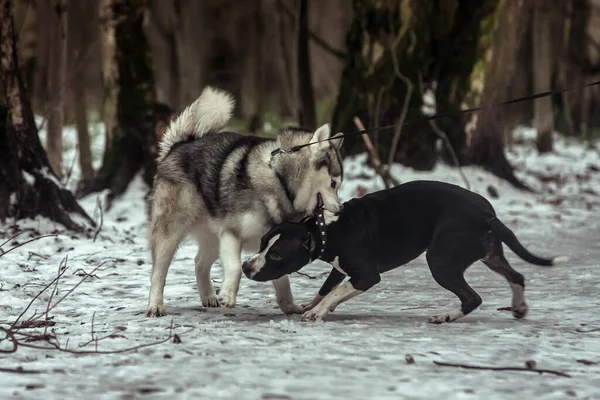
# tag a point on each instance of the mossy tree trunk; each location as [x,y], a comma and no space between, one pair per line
[129,97]
[28,184]
[487,140]
[435,40]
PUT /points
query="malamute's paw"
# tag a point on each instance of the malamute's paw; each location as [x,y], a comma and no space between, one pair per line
[520,311]
[211,301]
[291,308]
[156,311]
[227,299]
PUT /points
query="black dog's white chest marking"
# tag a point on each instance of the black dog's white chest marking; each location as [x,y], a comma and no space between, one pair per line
[336,264]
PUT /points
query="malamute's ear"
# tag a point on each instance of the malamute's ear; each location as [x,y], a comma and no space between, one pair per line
[323,133]
[337,142]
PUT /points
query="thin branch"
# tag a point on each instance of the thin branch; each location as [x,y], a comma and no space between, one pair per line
[26,242]
[12,327]
[326,46]
[73,288]
[120,351]
[477,367]
[20,370]
[306,275]
[404,112]
[98,339]
[10,335]
[382,170]
[67,178]
[99,206]
[588,330]
[73,70]
[442,135]
[66,350]
[13,237]
[60,267]
[318,40]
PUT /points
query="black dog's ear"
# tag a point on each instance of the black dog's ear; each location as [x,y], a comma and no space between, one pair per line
[267,236]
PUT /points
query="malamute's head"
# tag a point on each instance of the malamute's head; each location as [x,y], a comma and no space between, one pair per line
[315,169]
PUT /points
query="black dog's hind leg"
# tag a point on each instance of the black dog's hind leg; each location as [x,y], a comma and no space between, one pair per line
[448,258]
[333,280]
[498,263]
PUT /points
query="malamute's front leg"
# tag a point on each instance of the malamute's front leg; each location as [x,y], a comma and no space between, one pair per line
[285,298]
[163,249]
[230,251]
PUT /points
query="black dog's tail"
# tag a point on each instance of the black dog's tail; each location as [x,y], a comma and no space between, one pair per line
[508,237]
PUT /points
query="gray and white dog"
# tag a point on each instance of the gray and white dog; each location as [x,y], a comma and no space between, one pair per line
[226,190]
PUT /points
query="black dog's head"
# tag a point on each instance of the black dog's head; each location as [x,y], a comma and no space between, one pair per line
[284,249]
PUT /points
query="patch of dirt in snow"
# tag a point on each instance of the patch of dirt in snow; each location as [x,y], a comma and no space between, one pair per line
[255,352]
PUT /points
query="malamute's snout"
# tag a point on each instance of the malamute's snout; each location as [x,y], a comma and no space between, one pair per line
[329,202]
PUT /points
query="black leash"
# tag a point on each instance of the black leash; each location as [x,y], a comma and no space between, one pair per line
[438,116]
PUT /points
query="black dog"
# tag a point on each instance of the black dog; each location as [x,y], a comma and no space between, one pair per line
[389,228]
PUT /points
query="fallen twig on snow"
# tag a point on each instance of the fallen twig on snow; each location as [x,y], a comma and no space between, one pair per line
[306,275]
[483,368]
[119,351]
[17,338]
[587,330]
[20,370]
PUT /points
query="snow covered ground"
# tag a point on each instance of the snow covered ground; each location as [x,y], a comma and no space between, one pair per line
[255,352]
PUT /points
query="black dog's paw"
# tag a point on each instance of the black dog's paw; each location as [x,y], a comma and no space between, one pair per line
[440,319]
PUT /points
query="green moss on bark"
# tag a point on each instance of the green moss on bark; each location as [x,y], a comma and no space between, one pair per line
[437,40]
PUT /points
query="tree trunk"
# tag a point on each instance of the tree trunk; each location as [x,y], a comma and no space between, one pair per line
[579,64]
[162,41]
[542,74]
[79,43]
[129,101]
[487,140]
[28,184]
[307,114]
[56,83]
[432,39]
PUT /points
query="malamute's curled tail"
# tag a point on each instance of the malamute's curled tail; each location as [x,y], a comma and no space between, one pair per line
[210,112]
[509,238]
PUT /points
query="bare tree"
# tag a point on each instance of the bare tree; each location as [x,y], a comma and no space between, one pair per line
[129,97]
[307,114]
[542,67]
[56,83]
[79,43]
[28,184]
